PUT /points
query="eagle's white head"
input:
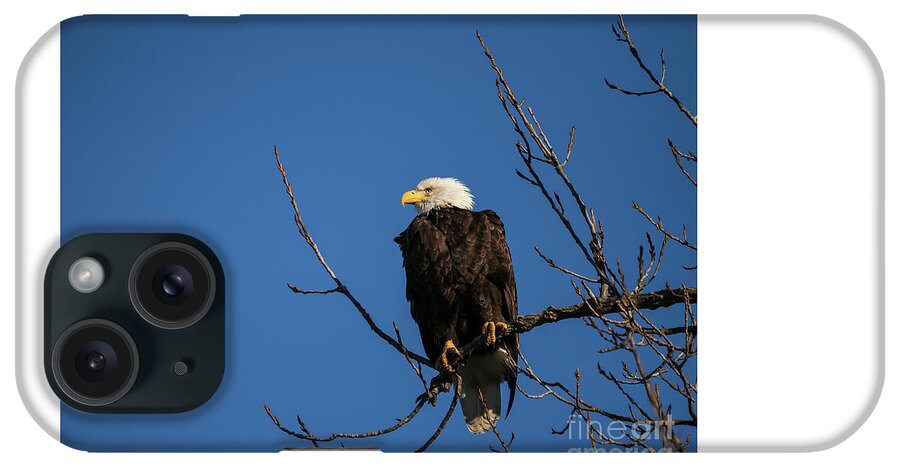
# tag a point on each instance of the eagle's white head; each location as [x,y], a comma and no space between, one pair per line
[439,192]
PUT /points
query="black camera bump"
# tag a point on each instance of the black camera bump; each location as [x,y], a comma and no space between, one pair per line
[121,310]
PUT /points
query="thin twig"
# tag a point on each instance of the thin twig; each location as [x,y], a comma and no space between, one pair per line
[339,286]
[677,154]
[334,436]
[661,88]
[434,436]
[659,226]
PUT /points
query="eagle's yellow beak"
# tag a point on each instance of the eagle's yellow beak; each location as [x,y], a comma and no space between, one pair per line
[413,196]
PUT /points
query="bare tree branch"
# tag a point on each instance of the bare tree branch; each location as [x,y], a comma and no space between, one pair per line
[306,435]
[624,36]
[508,98]
[339,286]
[678,155]
[444,420]
[650,301]
[659,226]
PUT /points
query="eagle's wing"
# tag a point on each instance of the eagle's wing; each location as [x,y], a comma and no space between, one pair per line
[499,269]
[500,273]
[429,290]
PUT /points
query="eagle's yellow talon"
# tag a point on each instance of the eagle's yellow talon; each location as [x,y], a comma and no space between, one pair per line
[489,329]
[450,356]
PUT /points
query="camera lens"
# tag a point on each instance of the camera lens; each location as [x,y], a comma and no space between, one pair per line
[172,285]
[95,362]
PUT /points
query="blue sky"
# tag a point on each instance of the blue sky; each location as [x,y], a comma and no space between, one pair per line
[168,124]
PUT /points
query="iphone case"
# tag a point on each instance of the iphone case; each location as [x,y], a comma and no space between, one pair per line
[283,143]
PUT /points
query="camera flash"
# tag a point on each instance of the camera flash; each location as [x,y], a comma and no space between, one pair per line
[86,275]
[180,369]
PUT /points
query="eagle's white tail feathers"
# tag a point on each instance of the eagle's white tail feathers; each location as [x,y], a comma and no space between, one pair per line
[481,378]
[478,418]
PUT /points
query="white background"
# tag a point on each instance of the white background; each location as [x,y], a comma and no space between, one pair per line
[24,443]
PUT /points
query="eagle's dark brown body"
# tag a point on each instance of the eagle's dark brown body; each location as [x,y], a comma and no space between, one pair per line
[459,275]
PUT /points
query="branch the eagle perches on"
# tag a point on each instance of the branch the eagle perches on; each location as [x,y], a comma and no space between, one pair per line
[632,331]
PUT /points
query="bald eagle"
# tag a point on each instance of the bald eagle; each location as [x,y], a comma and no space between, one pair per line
[460,284]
